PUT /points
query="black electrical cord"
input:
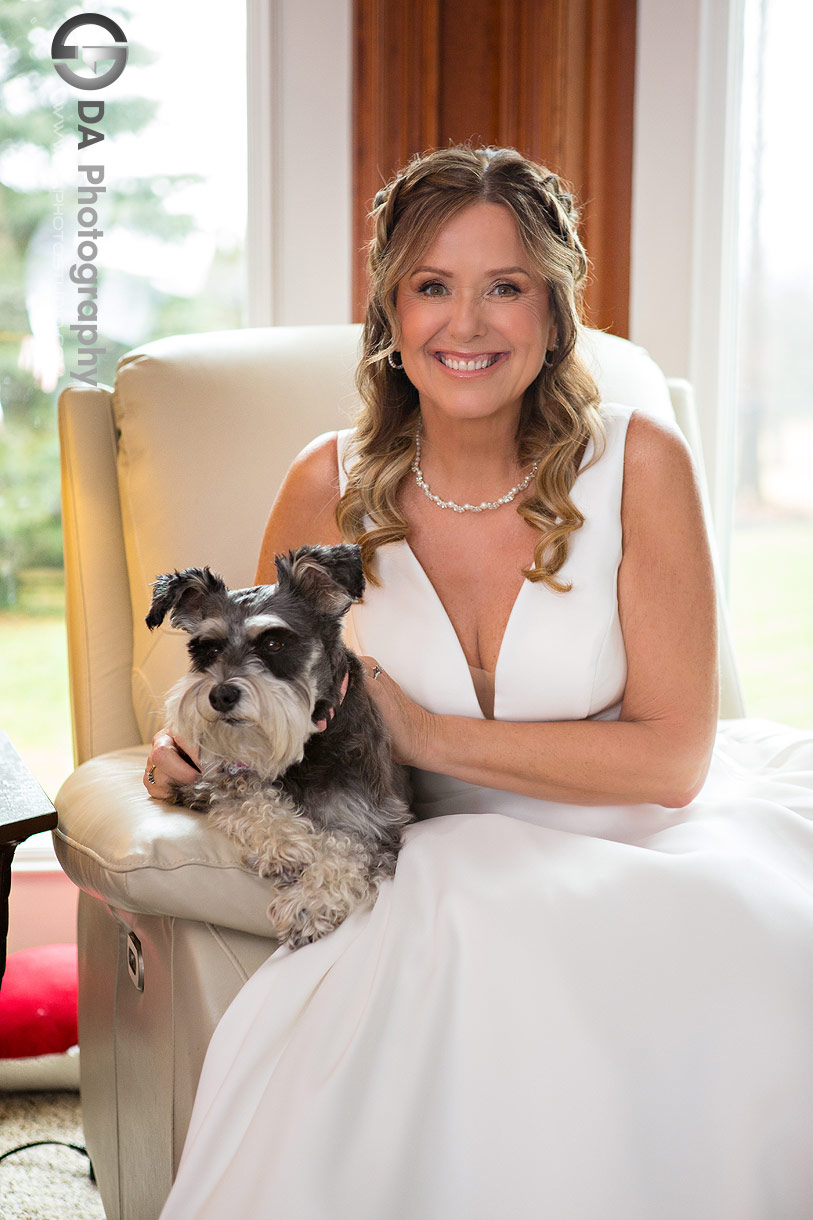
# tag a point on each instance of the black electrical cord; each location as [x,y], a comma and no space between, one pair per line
[62,1143]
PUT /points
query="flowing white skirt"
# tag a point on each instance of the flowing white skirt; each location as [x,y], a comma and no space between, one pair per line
[532,1023]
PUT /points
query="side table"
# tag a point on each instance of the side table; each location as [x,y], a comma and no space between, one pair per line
[25,810]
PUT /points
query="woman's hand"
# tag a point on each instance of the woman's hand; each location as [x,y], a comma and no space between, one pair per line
[166,767]
[409,724]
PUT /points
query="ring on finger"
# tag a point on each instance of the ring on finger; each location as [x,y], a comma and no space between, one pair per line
[376,671]
[151,774]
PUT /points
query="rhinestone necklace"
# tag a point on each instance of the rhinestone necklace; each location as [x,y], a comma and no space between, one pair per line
[465,508]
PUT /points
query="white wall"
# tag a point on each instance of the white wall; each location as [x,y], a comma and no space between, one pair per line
[42,905]
[663,180]
[300,161]
[682,306]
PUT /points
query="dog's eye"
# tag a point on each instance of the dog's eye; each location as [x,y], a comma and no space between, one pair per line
[270,643]
[205,651]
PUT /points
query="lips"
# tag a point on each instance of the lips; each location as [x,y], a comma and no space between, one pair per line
[463,363]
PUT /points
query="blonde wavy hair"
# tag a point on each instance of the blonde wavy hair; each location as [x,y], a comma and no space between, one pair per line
[559,412]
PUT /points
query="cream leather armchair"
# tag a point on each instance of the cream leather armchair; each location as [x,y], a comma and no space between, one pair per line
[178,467]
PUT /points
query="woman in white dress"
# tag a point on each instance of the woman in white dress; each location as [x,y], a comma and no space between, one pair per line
[586,993]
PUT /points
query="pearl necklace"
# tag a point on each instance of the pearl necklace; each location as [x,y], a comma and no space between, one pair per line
[465,508]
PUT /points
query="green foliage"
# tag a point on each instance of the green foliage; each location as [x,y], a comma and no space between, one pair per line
[34,690]
[30,533]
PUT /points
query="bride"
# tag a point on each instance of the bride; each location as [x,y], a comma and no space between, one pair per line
[584,993]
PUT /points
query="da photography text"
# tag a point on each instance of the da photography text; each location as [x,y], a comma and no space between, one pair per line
[91,186]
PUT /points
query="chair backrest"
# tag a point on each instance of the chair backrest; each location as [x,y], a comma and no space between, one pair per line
[178,467]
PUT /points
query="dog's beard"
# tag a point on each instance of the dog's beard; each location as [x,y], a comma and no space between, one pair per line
[266,730]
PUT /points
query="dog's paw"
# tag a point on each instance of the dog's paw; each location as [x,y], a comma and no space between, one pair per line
[286,918]
[301,934]
[296,925]
[281,874]
[307,926]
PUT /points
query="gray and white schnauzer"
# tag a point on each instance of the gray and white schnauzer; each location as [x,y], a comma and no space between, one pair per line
[295,759]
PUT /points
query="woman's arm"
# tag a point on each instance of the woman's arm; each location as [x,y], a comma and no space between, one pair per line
[305,508]
[659,750]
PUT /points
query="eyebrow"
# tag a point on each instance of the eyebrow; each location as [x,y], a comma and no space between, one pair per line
[450,274]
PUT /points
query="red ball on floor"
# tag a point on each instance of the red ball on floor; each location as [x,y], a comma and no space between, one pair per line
[38,1002]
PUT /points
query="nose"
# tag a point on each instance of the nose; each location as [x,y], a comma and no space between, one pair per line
[224,697]
[466,321]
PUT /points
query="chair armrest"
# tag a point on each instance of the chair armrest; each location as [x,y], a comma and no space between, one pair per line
[142,855]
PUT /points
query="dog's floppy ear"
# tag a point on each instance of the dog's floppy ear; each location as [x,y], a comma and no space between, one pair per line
[183,596]
[330,577]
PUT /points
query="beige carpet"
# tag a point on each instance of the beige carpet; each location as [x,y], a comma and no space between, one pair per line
[48,1183]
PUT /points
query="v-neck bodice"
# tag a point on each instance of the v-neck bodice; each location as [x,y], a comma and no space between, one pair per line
[562,654]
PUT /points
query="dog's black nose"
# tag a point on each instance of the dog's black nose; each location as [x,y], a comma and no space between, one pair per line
[224,697]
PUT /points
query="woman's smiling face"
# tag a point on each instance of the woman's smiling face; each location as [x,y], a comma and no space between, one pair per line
[475,316]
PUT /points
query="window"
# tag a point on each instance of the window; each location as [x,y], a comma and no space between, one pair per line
[771,589]
[169,256]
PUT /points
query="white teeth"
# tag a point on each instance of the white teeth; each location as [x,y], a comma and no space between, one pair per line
[467,366]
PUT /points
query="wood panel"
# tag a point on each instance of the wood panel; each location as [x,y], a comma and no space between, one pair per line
[553,78]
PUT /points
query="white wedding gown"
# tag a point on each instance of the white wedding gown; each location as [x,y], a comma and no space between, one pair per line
[551,1012]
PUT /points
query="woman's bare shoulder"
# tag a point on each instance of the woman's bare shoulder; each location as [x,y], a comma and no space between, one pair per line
[659,473]
[316,466]
[652,441]
[304,510]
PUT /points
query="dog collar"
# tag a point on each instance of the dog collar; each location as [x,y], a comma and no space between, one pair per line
[322,724]
[235,767]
